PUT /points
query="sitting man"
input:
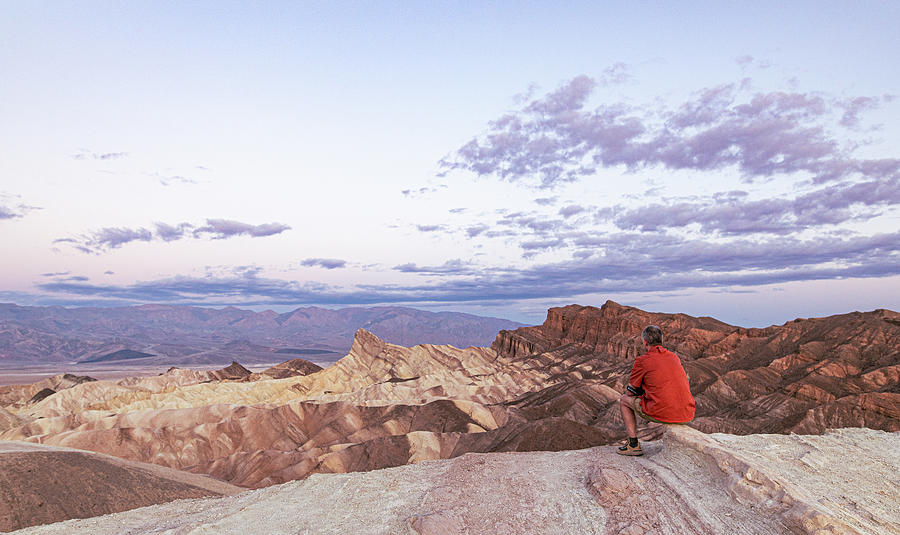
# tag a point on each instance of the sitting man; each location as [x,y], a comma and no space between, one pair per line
[658,390]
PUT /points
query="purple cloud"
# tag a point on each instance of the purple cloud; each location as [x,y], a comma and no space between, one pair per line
[429,228]
[618,73]
[8,211]
[218,229]
[632,262]
[450,267]
[415,193]
[327,263]
[854,107]
[115,237]
[167,232]
[84,154]
[570,210]
[475,230]
[227,228]
[731,212]
[555,139]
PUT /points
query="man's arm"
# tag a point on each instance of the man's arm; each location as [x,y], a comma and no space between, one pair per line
[633,386]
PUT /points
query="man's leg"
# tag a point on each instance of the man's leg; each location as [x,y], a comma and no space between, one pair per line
[631,447]
[625,403]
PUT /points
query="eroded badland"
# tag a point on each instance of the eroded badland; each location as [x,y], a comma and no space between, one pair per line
[548,388]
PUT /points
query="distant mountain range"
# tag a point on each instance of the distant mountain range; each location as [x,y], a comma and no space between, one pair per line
[186,335]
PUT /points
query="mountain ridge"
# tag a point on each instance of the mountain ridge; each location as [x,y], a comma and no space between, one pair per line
[185,335]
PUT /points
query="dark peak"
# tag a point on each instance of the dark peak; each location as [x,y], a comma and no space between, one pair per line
[293,367]
[42,395]
[77,379]
[234,371]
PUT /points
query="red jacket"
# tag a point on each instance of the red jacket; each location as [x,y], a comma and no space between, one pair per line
[667,394]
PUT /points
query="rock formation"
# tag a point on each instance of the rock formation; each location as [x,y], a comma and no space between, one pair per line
[20,395]
[549,387]
[291,368]
[804,376]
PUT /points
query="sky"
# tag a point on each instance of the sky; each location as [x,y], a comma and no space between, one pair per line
[740,161]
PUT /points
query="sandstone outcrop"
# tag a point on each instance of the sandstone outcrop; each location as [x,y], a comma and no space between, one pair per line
[43,484]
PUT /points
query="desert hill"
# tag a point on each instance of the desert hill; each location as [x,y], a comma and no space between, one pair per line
[549,387]
[686,483]
[184,335]
[44,484]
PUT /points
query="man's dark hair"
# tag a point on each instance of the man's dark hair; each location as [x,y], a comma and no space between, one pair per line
[652,335]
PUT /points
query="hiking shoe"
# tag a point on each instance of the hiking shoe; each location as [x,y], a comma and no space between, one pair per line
[628,450]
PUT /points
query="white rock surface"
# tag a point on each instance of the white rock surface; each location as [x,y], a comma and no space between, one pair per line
[844,482]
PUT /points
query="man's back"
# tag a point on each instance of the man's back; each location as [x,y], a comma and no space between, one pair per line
[667,394]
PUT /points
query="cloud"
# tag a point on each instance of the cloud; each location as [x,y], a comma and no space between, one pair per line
[570,210]
[168,180]
[626,262]
[168,233]
[115,237]
[327,263]
[747,61]
[475,230]
[733,213]
[415,193]
[84,154]
[855,106]
[12,207]
[227,228]
[542,244]
[618,73]
[429,228]
[450,267]
[8,213]
[556,139]
[744,61]
[217,229]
